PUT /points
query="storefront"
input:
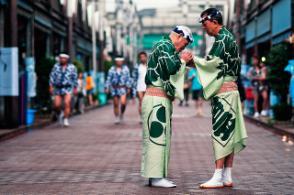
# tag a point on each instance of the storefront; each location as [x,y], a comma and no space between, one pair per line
[282,21]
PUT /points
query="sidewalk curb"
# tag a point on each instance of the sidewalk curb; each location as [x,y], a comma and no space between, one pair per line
[24,129]
[271,128]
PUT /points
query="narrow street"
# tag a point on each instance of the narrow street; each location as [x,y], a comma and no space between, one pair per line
[95,156]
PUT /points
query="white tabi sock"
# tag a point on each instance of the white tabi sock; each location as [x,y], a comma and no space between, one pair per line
[217,174]
[227,175]
[215,181]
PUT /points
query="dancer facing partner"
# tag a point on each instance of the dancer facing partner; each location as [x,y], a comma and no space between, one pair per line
[139,74]
[63,83]
[218,74]
[164,65]
[118,85]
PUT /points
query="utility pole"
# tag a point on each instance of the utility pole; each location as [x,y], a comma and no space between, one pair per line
[94,57]
[101,34]
[12,23]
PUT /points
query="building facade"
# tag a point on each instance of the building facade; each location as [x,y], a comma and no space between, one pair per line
[265,23]
[41,29]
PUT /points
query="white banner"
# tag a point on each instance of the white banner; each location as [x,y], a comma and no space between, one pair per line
[9,71]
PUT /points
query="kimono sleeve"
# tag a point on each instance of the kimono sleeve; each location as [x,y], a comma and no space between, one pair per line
[208,72]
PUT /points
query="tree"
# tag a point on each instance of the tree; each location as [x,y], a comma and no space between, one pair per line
[43,70]
[80,67]
[278,79]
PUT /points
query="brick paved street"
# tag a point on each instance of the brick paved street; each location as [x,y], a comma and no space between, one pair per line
[94,156]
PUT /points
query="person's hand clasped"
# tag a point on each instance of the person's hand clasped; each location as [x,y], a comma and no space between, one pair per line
[187,56]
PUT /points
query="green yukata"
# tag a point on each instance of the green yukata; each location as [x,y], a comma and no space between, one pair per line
[223,65]
[164,71]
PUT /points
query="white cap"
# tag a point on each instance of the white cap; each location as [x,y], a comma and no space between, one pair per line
[119,59]
[185,31]
[63,55]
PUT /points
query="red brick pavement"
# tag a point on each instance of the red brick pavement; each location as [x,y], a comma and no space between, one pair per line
[94,156]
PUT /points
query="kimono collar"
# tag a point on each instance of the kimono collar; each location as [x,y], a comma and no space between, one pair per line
[65,66]
[221,31]
[167,38]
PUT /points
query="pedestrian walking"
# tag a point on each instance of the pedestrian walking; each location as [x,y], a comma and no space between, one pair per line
[90,85]
[258,76]
[63,84]
[80,104]
[196,90]
[139,74]
[118,84]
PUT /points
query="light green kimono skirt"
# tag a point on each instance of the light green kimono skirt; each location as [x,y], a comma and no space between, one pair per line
[228,128]
[157,131]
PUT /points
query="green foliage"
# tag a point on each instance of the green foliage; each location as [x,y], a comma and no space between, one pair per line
[43,70]
[80,67]
[107,66]
[278,79]
[282,112]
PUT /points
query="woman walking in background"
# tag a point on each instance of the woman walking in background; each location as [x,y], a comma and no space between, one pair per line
[139,78]
[196,91]
[81,94]
[90,88]
[258,74]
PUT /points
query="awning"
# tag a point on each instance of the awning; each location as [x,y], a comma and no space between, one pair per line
[250,32]
[281,17]
[263,23]
[85,46]
[280,38]
[249,44]
[264,38]
[44,21]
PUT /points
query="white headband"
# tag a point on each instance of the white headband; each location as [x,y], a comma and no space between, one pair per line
[119,59]
[63,55]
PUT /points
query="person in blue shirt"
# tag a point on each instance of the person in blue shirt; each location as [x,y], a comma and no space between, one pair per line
[196,90]
[63,84]
[119,84]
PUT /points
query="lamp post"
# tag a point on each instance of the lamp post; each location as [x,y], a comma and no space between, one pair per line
[94,57]
[97,17]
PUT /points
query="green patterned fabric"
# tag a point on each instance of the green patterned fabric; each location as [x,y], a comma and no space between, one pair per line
[166,71]
[222,65]
[156,115]
[163,62]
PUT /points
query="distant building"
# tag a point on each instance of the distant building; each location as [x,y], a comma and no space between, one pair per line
[157,22]
[260,24]
[124,30]
[41,29]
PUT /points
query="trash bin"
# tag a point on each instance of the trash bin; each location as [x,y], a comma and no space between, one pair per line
[30,116]
[102,97]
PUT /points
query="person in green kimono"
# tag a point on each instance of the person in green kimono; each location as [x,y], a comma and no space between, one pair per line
[218,74]
[165,81]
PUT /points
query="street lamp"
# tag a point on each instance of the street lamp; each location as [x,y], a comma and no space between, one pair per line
[97,9]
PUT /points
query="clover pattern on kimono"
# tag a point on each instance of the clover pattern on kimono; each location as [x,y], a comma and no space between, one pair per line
[157,124]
